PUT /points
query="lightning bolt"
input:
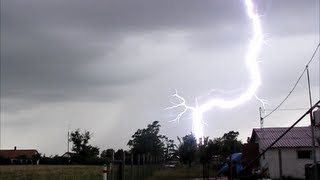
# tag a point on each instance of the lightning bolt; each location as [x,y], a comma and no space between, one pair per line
[251,56]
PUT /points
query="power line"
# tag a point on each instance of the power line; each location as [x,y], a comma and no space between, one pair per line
[289,109]
[295,85]
[319,42]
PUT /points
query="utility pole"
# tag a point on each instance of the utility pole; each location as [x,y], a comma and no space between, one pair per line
[68,139]
[261,118]
[68,142]
[0,128]
[312,128]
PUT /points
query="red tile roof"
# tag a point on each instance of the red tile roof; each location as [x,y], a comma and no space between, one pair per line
[12,154]
[296,137]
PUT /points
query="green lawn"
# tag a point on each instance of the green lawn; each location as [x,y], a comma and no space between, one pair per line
[180,173]
[71,172]
[83,172]
[50,172]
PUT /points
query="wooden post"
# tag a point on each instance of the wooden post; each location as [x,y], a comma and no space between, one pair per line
[280,163]
[203,173]
[105,172]
[132,166]
[144,165]
[111,165]
[123,162]
[138,166]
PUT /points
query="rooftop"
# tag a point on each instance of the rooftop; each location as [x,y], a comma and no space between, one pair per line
[14,153]
[296,137]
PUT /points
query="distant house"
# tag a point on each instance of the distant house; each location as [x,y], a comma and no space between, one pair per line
[289,155]
[68,155]
[21,156]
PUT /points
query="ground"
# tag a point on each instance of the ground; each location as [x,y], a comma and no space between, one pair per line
[82,172]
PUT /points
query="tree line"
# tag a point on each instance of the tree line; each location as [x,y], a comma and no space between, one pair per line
[188,150]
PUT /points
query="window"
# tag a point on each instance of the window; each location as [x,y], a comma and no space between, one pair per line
[304,154]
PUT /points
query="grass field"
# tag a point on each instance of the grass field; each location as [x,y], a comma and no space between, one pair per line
[39,172]
[180,173]
[82,172]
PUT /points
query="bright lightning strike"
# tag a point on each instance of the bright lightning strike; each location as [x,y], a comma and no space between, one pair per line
[254,47]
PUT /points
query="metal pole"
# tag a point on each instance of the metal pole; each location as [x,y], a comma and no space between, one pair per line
[261,119]
[68,142]
[105,172]
[312,128]
[283,134]
[0,128]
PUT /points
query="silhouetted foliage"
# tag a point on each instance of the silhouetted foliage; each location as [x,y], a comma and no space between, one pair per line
[53,160]
[170,149]
[118,154]
[207,148]
[148,140]
[230,143]
[4,161]
[107,154]
[187,149]
[84,151]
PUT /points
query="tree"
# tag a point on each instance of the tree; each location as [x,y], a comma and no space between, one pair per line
[118,155]
[84,151]
[170,149]
[107,154]
[230,143]
[148,140]
[207,148]
[187,148]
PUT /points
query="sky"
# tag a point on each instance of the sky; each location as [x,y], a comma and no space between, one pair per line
[111,67]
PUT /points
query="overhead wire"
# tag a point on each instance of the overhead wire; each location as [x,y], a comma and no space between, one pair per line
[319,41]
[289,109]
[295,85]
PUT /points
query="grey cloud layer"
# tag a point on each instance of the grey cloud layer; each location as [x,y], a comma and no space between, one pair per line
[47,45]
[135,52]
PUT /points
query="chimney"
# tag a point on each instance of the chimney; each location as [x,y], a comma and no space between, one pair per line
[15,148]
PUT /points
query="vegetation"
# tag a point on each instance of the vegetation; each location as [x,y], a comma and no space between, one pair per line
[107,154]
[181,172]
[50,172]
[187,149]
[85,153]
[229,143]
[148,140]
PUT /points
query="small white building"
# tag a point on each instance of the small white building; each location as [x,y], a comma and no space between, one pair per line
[289,155]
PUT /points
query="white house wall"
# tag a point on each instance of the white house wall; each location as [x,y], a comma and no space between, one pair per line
[291,165]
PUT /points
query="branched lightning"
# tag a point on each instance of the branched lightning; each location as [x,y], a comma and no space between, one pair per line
[251,56]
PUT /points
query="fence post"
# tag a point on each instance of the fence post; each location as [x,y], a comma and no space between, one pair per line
[111,168]
[144,165]
[138,166]
[105,172]
[123,162]
[132,174]
[149,165]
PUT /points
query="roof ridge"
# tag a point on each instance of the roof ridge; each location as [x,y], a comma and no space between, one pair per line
[298,127]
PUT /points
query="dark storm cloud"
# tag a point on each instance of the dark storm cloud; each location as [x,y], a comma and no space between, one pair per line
[48,47]
[123,15]
[111,65]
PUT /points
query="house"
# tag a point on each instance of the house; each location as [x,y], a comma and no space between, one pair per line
[289,155]
[68,155]
[21,156]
